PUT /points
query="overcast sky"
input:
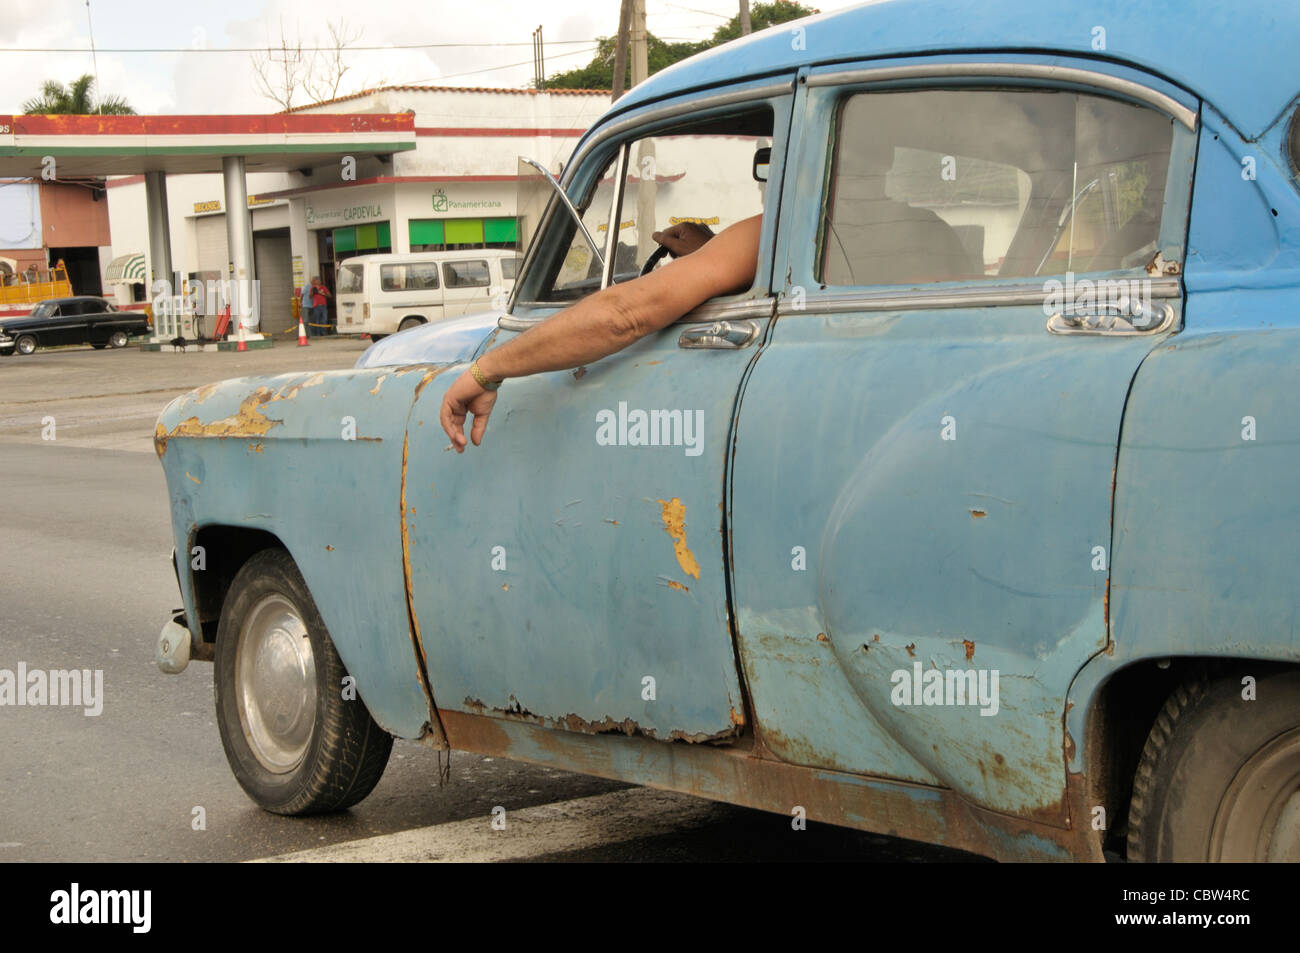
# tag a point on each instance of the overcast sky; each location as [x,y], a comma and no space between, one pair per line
[217,82]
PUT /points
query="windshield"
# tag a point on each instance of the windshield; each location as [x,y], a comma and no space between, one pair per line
[46,309]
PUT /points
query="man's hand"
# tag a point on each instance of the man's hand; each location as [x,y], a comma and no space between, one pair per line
[683,238]
[466,396]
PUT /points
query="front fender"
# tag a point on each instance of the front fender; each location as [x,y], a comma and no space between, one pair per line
[316,460]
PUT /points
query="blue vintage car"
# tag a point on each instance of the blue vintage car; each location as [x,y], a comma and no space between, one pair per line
[974,520]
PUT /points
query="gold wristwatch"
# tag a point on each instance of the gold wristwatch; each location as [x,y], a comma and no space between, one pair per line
[481,378]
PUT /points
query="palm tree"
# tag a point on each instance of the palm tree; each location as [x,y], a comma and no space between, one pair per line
[75,99]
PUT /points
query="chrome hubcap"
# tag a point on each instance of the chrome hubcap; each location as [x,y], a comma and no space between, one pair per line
[276,673]
[1259,818]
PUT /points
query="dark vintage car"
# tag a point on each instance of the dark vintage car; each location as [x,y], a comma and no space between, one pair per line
[79,320]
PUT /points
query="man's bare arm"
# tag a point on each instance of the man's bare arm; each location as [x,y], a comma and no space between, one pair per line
[607,322]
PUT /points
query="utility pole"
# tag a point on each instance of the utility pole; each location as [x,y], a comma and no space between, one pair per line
[539,60]
[645,155]
[745,27]
[94,60]
[620,49]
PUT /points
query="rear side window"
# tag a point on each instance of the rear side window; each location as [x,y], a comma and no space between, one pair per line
[412,276]
[960,185]
[351,279]
[509,268]
[466,274]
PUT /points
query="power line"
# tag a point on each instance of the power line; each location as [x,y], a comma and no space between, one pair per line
[271,49]
[493,69]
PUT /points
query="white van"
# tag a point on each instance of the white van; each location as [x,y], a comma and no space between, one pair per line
[382,294]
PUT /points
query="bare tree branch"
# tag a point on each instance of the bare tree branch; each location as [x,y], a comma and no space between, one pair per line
[279,74]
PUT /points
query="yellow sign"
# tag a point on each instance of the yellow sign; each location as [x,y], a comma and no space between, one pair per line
[257,200]
[213,206]
[677,220]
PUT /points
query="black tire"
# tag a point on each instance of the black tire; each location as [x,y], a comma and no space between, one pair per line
[118,339]
[99,347]
[410,323]
[378,337]
[25,344]
[1219,778]
[344,752]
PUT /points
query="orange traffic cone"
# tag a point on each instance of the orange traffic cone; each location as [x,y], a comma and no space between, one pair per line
[241,346]
[302,333]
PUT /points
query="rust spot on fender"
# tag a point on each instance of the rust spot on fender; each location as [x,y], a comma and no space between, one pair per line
[193,477]
[329,548]
[379,383]
[978,514]
[737,717]
[823,637]
[612,522]
[674,517]
[421,662]
[970,648]
[424,381]
[313,381]
[248,421]
[674,584]
[911,650]
[579,373]
[254,448]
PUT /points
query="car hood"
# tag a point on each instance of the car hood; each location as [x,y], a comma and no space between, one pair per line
[442,342]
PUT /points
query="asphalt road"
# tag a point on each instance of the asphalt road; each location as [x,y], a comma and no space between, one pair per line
[85,582]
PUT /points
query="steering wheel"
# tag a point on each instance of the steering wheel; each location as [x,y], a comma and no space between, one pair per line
[655,257]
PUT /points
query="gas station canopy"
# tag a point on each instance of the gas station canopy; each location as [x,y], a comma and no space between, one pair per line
[98,146]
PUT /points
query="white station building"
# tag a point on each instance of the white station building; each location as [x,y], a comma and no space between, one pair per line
[455,189]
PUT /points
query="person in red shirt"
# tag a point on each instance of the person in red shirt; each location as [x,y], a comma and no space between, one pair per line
[319,313]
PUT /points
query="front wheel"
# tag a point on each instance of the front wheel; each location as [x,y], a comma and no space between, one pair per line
[293,741]
[117,339]
[408,323]
[1219,778]
[25,345]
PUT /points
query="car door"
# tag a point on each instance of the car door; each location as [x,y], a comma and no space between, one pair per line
[67,326]
[925,452]
[570,571]
[100,324]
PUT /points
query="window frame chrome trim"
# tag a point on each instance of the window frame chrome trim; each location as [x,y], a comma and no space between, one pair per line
[971,297]
[654,115]
[1035,71]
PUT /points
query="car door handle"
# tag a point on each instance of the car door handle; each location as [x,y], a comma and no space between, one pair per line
[720,334]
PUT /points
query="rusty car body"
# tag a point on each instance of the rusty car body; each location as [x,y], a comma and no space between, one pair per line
[990,538]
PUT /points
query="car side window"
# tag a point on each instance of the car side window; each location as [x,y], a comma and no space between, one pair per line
[412,276]
[466,274]
[969,184]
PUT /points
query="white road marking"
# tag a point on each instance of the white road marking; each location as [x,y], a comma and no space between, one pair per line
[530,832]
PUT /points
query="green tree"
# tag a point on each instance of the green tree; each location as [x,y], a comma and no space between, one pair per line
[77,98]
[599,73]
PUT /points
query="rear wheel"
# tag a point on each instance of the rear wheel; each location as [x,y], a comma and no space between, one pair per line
[294,743]
[1219,778]
[25,344]
[99,347]
[410,323]
[118,339]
